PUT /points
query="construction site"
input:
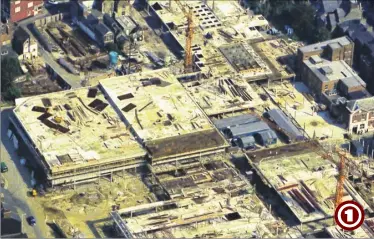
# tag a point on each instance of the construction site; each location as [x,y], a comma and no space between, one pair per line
[75,136]
[304,176]
[224,95]
[162,116]
[146,148]
[203,197]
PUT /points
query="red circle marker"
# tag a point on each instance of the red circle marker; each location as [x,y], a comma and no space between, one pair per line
[349,215]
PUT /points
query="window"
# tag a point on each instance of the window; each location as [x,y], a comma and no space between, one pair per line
[18,9]
[362,126]
[30,4]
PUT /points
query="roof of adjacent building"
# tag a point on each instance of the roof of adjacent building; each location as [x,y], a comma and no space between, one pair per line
[327,70]
[251,128]
[234,121]
[285,123]
[353,81]
[320,46]
[102,29]
[267,135]
[330,5]
[248,140]
[366,104]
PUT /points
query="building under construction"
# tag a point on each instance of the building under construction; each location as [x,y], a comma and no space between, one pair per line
[220,35]
[75,136]
[304,178]
[162,116]
[204,197]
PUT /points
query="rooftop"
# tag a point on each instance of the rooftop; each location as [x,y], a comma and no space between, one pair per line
[343,41]
[331,70]
[159,110]
[74,128]
[366,104]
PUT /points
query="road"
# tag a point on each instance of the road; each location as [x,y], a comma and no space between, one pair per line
[17,185]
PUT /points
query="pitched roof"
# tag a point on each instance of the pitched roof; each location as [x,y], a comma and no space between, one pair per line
[366,104]
[330,5]
[102,29]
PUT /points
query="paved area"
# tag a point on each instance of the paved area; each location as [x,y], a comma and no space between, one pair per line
[17,185]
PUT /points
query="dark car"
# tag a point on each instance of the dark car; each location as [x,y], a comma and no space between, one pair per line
[31,220]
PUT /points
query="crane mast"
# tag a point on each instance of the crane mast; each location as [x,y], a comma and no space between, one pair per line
[340,184]
[188,64]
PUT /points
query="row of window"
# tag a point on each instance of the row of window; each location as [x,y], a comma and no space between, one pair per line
[18,9]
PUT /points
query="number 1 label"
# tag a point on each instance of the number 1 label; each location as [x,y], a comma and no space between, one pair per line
[349,214]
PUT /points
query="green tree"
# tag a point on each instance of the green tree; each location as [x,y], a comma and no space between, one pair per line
[10,70]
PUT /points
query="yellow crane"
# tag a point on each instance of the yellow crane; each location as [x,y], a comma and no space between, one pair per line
[189,37]
[341,178]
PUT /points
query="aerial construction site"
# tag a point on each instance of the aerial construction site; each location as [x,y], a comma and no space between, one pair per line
[184,119]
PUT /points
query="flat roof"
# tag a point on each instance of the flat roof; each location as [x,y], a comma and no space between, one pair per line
[343,41]
[75,127]
[162,113]
[327,70]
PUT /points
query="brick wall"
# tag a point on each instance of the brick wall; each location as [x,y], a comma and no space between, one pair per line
[22,9]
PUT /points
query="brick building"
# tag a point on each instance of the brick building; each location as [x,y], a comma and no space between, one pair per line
[22,9]
[333,50]
[360,115]
[330,77]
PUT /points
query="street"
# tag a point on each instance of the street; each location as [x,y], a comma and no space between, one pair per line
[17,185]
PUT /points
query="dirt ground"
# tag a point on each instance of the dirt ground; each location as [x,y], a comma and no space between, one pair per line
[85,210]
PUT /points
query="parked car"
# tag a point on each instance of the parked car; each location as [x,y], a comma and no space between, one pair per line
[31,220]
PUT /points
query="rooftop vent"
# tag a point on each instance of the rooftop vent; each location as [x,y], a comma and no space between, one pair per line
[326,70]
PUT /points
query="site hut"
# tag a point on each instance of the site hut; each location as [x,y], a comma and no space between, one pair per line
[245,130]
[162,116]
[75,136]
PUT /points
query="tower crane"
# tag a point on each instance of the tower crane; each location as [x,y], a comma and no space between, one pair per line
[189,36]
[341,178]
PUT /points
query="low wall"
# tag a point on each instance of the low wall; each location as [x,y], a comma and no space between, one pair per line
[54,18]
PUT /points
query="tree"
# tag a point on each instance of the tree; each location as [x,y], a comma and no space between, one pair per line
[298,14]
[10,70]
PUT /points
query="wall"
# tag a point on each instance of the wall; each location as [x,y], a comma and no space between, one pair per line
[54,18]
[24,9]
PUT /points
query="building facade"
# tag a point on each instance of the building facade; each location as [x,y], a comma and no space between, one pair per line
[19,10]
[360,115]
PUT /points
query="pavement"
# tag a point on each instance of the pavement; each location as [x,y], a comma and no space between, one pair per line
[17,185]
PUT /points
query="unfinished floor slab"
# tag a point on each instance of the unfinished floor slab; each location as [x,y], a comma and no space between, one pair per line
[245,60]
[223,95]
[297,102]
[75,135]
[162,115]
[208,199]
[305,181]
